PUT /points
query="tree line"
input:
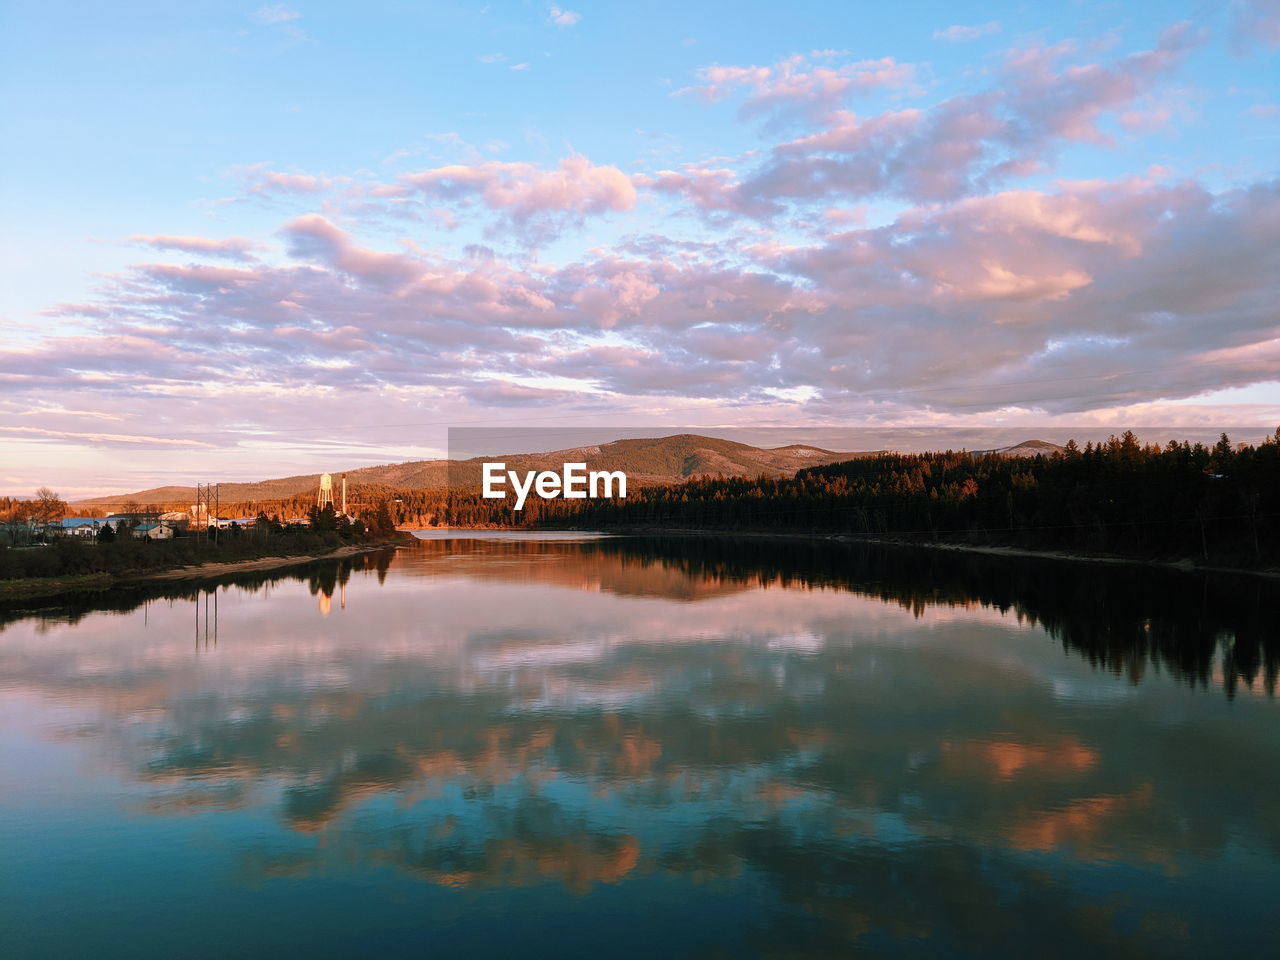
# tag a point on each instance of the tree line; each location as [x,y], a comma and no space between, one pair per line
[1218,503]
[1200,627]
[118,552]
[1214,504]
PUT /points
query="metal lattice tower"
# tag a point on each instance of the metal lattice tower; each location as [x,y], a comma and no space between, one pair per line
[205,510]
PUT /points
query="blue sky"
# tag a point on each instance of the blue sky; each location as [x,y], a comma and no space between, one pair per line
[705,213]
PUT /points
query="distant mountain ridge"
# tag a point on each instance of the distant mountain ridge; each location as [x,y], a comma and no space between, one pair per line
[646,461]
[1027,448]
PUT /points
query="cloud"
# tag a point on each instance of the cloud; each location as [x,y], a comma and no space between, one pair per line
[963,34]
[1255,23]
[535,203]
[275,13]
[109,438]
[1085,297]
[563,18]
[966,144]
[282,18]
[879,266]
[262,181]
[796,89]
[313,237]
[1044,97]
[1071,291]
[711,190]
[231,248]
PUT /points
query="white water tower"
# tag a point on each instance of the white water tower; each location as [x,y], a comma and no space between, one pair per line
[325,497]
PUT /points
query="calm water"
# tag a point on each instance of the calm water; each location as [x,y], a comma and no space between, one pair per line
[550,747]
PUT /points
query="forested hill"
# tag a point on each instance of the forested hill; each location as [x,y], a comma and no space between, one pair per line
[418,474]
[652,460]
[1216,504]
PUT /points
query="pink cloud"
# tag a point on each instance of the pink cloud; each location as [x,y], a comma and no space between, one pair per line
[966,144]
[262,181]
[962,292]
[796,89]
[107,438]
[1080,298]
[314,237]
[232,248]
[563,18]
[710,190]
[536,202]
[1069,103]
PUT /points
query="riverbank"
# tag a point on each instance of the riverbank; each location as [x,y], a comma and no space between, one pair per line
[1185,565]
[39,587]
[209,571]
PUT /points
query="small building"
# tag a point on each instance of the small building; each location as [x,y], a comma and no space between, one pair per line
[86,527]
[134,519]
[226,523]
[153,531]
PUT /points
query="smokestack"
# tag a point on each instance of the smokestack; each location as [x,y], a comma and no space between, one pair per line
[344,494]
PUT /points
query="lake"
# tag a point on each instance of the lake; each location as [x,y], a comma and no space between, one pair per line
[568,745]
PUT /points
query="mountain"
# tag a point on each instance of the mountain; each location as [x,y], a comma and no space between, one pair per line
[646,462]
[659,460]
[1028,448]
[420,474]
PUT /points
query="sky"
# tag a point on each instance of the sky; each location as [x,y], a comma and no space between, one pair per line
[245,240]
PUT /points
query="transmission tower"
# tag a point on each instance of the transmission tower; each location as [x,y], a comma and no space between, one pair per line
[206,508]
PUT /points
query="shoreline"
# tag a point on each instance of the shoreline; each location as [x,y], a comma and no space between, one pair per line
[41,588]
[19,590]
[1184,565]
[207,571]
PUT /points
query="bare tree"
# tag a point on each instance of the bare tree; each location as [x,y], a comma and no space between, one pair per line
[49,507]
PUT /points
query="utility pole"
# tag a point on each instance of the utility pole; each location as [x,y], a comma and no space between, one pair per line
[201,514]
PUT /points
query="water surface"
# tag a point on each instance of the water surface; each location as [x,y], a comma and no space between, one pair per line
[580,747]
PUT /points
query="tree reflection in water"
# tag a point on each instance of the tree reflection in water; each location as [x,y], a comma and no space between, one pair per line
[816,745]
